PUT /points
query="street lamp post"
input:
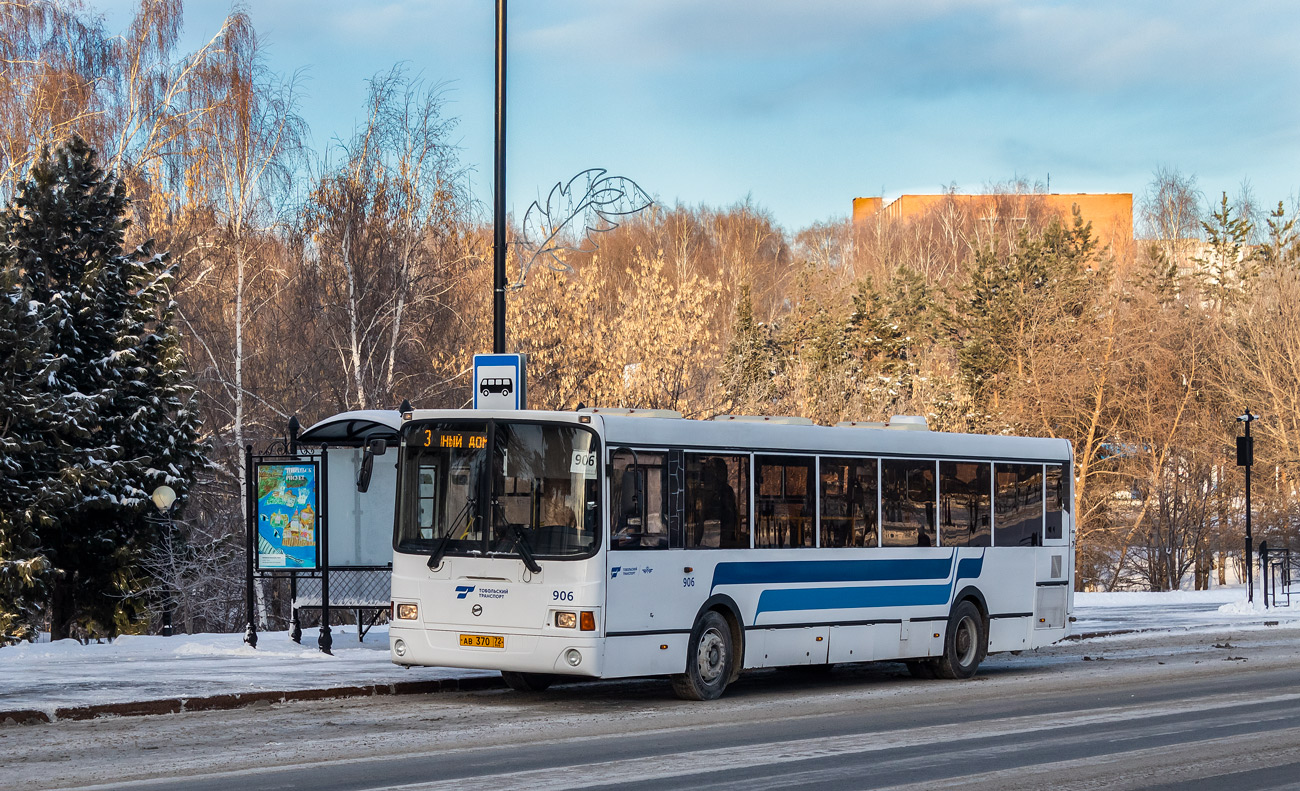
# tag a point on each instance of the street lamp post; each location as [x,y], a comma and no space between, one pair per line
[163,497]
[499,192]
[1246,458]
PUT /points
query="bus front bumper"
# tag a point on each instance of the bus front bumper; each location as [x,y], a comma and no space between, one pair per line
[571,655]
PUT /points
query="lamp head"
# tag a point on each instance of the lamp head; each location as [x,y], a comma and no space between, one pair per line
[163,497]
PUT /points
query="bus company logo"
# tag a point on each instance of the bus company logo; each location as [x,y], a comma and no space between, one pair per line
[493,593]
[646,569]
[463,590]
[613,572]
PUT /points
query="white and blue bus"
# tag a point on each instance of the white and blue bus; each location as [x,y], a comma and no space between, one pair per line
[610,543]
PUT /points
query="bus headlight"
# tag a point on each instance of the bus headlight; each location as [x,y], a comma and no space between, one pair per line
[399,647]
[573,657]
[408,612]
[566,620]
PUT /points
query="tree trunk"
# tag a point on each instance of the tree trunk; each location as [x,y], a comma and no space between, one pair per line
[354,331]
[62,607]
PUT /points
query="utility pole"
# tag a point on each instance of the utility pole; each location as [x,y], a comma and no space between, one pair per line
[499,193]
[1246,458]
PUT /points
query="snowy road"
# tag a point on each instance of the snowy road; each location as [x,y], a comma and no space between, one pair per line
[1172,710]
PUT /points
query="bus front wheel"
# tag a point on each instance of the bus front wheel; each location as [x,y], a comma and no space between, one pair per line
[965,644]
[708,660]
[526,682]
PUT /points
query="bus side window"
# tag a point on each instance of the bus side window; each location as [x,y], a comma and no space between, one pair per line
[964,504]
[1018,505]
[848,508]
[1056,500]
[717,501]
[908,503]
[639,509]
[783,502]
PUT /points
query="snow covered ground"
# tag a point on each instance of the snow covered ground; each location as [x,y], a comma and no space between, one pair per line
[1176,610]
[47,676]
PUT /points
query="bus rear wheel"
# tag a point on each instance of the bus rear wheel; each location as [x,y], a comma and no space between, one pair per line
[708,660]
[526,682]
[965,645]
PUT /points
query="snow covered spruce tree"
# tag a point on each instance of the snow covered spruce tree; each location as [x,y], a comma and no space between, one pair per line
[30,483]
[131,424]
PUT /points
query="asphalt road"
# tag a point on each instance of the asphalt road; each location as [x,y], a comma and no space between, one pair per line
[1213,710]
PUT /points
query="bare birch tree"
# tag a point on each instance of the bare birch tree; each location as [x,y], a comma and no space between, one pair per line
[386,242]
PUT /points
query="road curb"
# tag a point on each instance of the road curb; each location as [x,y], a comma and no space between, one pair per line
[1070,638]
[236,700]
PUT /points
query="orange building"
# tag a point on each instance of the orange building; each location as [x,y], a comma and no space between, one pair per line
[1111,213]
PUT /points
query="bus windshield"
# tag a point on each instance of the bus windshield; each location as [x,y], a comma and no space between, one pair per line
[486,487]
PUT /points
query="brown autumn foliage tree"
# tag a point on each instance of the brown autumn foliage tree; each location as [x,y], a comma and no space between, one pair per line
[637,336]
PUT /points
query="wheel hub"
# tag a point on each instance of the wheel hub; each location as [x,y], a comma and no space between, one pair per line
[711,659]
[964,641]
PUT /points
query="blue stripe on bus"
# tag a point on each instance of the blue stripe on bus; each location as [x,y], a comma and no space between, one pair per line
[785,571]
[795,571]
[851,598]
[970,568]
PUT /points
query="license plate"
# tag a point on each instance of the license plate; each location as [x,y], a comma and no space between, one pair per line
[482,641]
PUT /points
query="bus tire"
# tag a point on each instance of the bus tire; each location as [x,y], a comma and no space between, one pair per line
[527,682]
[965,644]
[708,660]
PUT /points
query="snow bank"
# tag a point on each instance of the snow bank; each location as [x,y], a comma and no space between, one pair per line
[1175,610]
[46,676]
[1148,599]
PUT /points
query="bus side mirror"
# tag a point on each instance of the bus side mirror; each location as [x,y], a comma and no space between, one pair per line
[377,447]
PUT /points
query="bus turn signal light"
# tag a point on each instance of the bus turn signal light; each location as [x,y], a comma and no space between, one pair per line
[408,612]
[588,621]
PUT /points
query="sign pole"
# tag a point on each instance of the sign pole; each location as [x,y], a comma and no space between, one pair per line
[295,626]
[250,516]
[499,195]
[325,641]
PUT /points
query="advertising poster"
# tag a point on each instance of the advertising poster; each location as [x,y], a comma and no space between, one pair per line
[287,515]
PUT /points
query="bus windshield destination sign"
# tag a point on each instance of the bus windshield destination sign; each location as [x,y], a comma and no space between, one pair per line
[460,440]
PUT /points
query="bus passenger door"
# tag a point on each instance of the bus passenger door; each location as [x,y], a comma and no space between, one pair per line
[638,541]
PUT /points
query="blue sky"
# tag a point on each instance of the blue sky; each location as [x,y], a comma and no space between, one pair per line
[802,106]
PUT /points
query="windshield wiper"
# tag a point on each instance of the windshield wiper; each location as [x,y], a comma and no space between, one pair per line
[435,560]
[521,541]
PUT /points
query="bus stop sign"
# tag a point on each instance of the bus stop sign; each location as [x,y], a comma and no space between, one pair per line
[500,381]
